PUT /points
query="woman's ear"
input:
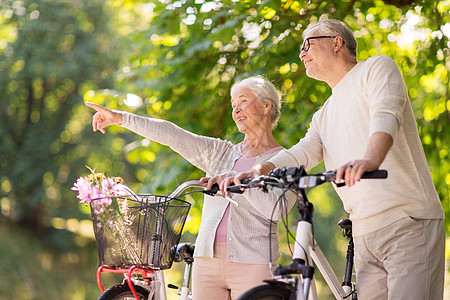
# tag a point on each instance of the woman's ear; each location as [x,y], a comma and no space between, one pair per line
[267,108]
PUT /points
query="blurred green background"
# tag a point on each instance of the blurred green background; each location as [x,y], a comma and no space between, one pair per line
[174,60]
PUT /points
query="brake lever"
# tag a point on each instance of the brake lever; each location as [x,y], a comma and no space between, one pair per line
[213,191]
[237,189]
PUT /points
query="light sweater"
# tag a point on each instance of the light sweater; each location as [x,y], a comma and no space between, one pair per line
[248,226]
[371,97]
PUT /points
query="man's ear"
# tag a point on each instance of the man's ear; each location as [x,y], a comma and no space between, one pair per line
[338,43]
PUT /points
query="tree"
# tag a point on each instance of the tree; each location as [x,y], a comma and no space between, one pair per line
[55,52]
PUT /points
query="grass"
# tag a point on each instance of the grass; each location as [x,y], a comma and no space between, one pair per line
[30,269]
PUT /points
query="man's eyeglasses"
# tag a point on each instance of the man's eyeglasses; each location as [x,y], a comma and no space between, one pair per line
[306,45]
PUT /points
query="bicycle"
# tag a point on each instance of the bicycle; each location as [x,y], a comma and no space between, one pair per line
[296,281]
[138,236]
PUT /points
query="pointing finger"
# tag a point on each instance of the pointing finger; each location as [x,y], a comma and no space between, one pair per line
[97,107]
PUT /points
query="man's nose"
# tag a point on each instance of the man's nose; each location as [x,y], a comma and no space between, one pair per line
[301,55]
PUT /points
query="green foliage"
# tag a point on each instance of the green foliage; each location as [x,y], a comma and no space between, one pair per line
[56,52]
[181,58]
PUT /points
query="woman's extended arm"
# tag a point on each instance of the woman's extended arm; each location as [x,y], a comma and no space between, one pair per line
[203,152]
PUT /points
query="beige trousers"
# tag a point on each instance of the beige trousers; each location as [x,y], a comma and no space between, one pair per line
[404,260]
[218,279]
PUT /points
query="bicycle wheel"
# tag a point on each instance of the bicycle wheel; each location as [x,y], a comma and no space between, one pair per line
[268,292]
[122,291]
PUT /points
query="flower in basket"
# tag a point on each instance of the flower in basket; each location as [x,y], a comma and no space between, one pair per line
[108,199]
[101,189]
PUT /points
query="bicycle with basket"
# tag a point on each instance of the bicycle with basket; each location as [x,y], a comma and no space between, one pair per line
[138,236]
[296,280]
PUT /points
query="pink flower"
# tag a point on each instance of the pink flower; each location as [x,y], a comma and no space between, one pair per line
[120,189]
[84,188]
[101,191]
[110,223]
[108,186]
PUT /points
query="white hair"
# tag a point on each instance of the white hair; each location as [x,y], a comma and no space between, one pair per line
[335,28]
[265,91]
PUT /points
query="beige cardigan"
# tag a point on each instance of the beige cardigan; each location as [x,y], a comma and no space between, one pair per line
[248,226]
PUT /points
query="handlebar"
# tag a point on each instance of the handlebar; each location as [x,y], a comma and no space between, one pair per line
[214,191]
[193,183]
[298,178]
[311,181]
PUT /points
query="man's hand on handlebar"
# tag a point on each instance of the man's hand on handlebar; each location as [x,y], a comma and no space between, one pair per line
[377,149]
[352,171]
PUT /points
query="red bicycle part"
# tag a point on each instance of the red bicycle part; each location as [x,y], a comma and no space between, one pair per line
[133,270]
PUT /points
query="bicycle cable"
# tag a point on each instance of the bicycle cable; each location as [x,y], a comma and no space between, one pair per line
[283,199]
[285,221]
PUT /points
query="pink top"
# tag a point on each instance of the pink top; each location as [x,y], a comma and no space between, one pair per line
[241,164]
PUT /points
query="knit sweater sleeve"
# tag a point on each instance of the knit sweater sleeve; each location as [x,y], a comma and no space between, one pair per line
[387,92]
[203,152]
[307,152]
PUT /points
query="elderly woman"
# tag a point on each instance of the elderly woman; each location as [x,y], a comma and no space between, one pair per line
[232,246]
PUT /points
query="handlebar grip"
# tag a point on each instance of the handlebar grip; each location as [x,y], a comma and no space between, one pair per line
[235,189]
[238,188]
[375,174]
[213,191]
[215,188]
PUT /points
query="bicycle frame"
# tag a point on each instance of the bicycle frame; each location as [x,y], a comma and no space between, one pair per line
[153,280]
[307,248]
[339,291]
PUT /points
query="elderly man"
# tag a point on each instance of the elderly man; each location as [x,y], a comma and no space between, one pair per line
[368,123]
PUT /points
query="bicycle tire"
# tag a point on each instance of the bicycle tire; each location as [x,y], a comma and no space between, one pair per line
[268,292]
[122,291]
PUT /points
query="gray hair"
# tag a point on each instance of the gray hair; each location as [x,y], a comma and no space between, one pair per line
[335,27]
[265,91]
